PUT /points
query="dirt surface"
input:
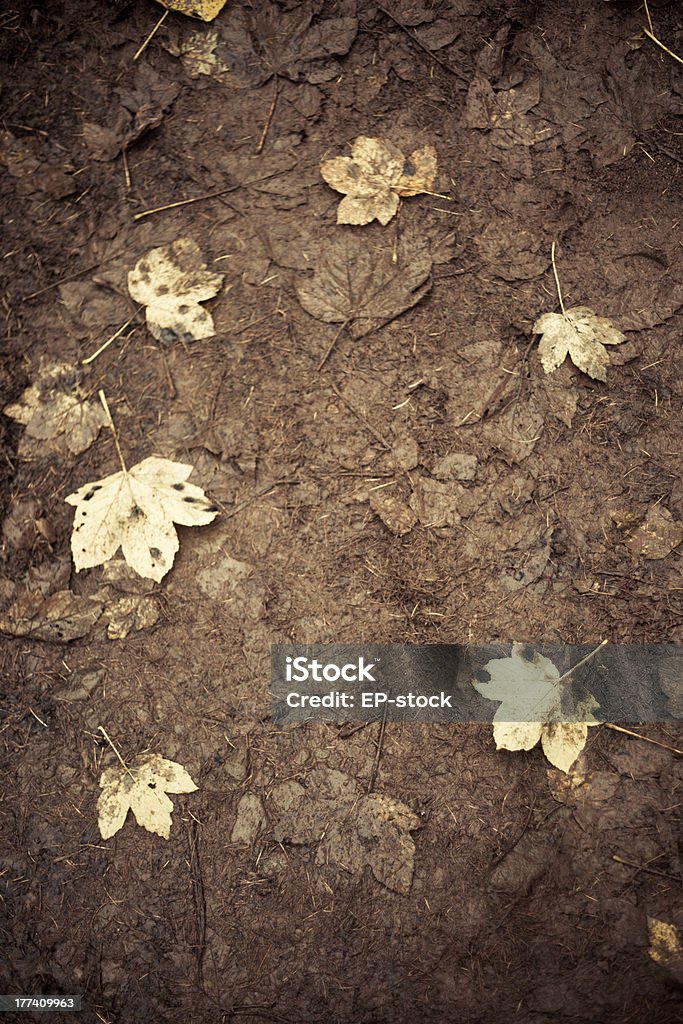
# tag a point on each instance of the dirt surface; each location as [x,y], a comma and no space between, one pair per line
[428,484]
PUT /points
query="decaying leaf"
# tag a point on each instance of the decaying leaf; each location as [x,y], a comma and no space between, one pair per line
[56,414]
[365,288]
[134,612]
[582,335]
[135,510]
[171,281]
[141,788]
[394,513]
[207,10]
[143,102]
[350,829]
[375,176]
[657,536]
[59,617]
[666,947]
[198,53]
[534,707]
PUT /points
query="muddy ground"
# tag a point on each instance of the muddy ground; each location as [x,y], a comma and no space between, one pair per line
[428,484]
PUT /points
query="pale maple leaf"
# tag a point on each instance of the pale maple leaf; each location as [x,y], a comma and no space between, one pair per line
[582,335]
[532,692]
[171,281]
[141,788]
[375,176]
[135,510]
[56,413]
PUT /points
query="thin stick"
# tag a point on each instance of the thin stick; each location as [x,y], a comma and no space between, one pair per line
[184,202]
[643,867]
[665,48]
[64,280]
[557,280]
[582,662]
[90,359]
[649,19]
[418,42]
[331,345]
[207,195]
[269,119]
[645,739]
[378,754]
[149,38]
[103,400]
[126,169]
[106,734]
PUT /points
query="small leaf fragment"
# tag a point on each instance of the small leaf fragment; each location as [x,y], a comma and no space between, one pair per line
[666,947]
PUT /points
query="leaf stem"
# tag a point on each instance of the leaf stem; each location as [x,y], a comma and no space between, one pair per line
[114,748]
[590,655]
[103,400]
[557,280]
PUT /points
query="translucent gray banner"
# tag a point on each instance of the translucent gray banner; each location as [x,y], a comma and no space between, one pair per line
[619,683]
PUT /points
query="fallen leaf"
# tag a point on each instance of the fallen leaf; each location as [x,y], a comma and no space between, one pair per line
[141,788]
[350,829]
[61,617]
[171,281]
[207,10]
[580,334]
[25,162]
[251,819]
[130,613]
[198,53]
[56,414]
[135,510]
[533,706]
[657,536]
[143,104]
[254,44]
[374,177]
[394,513]
[504,113]
[365,288]
[666,947]
[285,42]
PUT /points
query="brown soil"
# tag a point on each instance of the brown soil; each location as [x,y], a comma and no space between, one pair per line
[519,908]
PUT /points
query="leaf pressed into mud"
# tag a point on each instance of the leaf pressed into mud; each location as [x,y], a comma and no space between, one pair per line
[59,617]
[504,113]
[171,281]
[375,176]
[143,103]
[198,53]
[56,414]
[533,707]
[135,510]
[141,788]
[582,335]
[657,536]
[365,288]
[350,829]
